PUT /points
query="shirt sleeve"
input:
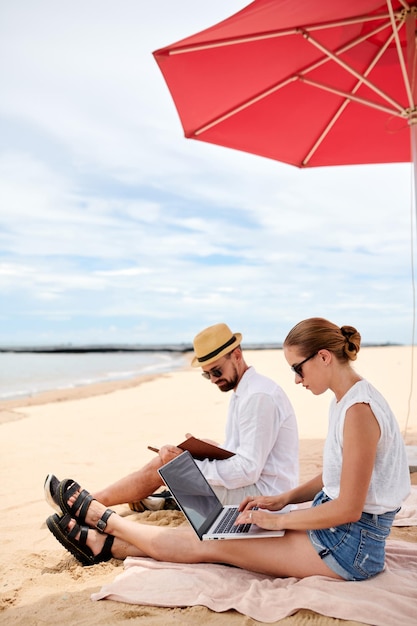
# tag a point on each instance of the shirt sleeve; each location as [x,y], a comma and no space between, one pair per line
[251,433]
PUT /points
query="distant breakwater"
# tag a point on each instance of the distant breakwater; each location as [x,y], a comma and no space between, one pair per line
[102,348]
[176,348]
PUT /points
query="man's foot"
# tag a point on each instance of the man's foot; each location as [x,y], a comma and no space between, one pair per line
[155,502]
[74,539]
[76,501]
[50,489]
[147,504]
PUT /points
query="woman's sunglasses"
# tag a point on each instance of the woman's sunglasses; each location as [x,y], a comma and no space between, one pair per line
[298,367]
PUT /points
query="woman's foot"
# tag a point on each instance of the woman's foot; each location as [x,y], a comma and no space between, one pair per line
[75,538]
[88,545]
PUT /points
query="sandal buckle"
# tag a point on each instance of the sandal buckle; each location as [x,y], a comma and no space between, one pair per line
[101,525]
[102,522]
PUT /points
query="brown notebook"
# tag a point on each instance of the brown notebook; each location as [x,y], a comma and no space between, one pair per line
[203,450]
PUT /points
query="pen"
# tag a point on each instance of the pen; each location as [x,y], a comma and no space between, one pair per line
[153,449]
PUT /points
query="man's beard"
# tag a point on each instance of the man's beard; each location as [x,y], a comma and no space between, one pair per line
[227,385]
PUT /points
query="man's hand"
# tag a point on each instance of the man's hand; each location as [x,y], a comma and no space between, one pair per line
[168,452]
[213,443]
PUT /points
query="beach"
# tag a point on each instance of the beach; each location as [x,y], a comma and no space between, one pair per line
[96,434]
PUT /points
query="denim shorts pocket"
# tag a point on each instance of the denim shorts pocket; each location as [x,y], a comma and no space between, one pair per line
[370,556]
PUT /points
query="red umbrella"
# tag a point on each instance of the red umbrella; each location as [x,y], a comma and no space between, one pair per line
[306,82]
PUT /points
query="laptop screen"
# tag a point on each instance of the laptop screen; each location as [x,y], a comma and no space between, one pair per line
[194,495]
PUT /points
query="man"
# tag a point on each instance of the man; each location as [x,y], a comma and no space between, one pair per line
[261,430]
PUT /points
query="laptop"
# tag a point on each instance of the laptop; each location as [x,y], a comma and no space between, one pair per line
[200,505]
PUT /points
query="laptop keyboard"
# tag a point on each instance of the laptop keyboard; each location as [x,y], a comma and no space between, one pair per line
[226,524]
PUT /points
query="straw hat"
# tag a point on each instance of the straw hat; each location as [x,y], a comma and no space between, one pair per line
[212,343]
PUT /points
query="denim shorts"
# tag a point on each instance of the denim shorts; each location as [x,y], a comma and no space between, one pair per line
[355,551]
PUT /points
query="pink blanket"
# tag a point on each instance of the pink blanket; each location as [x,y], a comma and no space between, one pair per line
[389,598]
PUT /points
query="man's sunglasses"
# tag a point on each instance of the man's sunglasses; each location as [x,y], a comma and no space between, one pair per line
[298,367]
[215,373]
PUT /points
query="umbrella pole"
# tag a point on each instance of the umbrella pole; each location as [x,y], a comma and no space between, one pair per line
[413,130]
[413,127]
[412,120]
[412,450]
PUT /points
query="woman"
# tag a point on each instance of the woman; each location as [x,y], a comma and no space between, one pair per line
[342,535]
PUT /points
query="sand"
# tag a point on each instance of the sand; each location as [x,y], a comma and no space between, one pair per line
[98,434]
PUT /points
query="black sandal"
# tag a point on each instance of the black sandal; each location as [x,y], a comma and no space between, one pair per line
[78,547]
[78,510]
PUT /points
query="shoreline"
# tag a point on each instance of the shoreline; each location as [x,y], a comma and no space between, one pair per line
[387,374]
[8,408]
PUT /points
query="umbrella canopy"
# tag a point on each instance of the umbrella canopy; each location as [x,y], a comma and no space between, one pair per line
[306,82]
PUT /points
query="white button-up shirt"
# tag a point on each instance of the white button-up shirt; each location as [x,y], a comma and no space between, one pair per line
[261,430]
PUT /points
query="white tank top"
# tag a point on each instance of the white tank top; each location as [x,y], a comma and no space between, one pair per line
[390,481]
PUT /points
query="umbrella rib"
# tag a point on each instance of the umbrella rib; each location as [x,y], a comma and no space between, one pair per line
[401,56]
[243,106]
[405,4]
[350,96]
[324,134]
[220,43]
[352,71]
[271,90]
[346,47]
[308,81]
[341,109]
[343,106]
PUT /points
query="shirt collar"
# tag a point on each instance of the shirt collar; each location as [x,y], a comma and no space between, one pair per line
[244,381]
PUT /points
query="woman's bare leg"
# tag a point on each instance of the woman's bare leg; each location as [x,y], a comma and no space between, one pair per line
[290,555]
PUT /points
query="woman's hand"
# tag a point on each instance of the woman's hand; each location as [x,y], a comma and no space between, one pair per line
[255,510]
[262,518]
[271,503]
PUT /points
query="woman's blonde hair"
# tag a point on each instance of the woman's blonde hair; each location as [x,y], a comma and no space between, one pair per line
[316,333]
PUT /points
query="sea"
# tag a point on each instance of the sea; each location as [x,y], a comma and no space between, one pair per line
[24,374]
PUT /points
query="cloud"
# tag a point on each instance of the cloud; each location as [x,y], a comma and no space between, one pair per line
[115,226]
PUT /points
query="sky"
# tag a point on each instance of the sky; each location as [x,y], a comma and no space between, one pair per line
[114,228]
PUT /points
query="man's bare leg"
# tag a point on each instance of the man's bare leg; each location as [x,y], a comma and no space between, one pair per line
[134,487]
